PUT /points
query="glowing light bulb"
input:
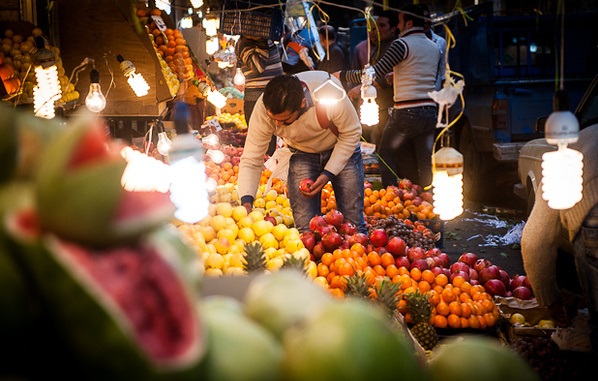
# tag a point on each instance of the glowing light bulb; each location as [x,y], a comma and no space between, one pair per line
[329,93]
[212,45]
[188,190]
[144,173]
[239,78]
[196,3]
[216,155]
[562,170]
[164,144]
[211,140]
[135,80]
[369,111]
[217,99]
[562,177]
[211,26]
[95,100]
[47,91]
[448,183]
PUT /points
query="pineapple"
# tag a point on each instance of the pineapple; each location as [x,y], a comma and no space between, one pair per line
[293,262]
[388,295]
[420,308]
[357,286]
[255,260]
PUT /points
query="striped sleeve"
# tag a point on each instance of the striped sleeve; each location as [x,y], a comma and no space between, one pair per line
[397,52]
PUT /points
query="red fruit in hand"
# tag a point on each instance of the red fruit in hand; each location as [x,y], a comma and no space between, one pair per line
[305,185]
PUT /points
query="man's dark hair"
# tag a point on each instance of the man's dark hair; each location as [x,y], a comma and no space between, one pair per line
[392,16]
[283,93]
[414,13]
[331,32]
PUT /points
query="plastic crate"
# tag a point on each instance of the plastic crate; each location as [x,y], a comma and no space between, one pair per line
[264,22]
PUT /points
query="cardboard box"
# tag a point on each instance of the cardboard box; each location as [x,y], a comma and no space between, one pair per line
[234,106]
[532,313]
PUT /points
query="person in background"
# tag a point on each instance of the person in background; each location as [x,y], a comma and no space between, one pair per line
[324,141]
[335,59]
[413,58]
[440,42]
[380,38]
[260,62]
[542,232]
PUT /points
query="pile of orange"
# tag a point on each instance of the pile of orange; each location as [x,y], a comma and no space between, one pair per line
[456,305]
[223,173]
[384,202]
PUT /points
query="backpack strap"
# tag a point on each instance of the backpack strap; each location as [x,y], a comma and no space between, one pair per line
[323,120]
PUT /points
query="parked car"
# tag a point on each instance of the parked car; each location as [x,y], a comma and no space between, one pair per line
[530,156]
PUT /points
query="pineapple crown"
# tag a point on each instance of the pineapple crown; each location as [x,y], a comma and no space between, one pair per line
[419,306]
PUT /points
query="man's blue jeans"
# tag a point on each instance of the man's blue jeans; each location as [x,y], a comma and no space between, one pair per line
[586,260]
[348,188]
[406,145]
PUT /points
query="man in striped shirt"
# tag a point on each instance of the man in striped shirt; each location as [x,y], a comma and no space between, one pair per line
[413,59]
[260,62]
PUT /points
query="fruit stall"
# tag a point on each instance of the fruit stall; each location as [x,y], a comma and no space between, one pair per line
[100,280]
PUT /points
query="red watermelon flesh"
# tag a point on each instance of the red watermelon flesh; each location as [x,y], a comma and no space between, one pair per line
[92,147]
[147,291]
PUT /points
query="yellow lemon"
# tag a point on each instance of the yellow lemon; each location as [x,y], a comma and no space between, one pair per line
[218,222]
[211,272]
[262,227]
[312,270]
[271,205]
[275,263]
[259,203]
[280,199]
[234,271]
[239,212]
[215,261]
[222,245]
[280,231]
[229,234]
[268,240]
[320,280]
[245,222]
[256,215]
[246,234]
[224,209]
[271,252]
[271,195]
[207,232]
[292,245]
[236,260]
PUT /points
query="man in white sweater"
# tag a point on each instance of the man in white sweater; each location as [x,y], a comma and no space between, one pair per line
[324,141]
[542,232]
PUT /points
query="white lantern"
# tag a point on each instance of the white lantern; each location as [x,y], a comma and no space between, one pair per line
[369,110]
[329,93]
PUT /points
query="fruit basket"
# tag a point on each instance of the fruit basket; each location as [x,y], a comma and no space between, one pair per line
[533,320]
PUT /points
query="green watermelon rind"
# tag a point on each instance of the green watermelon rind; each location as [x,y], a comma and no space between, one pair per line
[104,347]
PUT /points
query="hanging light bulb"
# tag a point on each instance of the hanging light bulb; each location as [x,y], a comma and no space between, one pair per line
[196,3]
[188,189]
[144,173]
[216,155]
[565,165]
[47,91]
[369,112]
[212,45]
[211,140]
[211,26]
[329,92]
[164,143]
[239,78]
[217,99]
[95,100]
[135,80]
[448,182]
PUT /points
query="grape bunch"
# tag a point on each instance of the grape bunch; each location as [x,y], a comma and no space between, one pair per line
[414,234]
[542,354]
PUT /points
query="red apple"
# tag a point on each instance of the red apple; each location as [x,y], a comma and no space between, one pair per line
[523,292]
[431,262]
[405,184]
[402,262]
[473,274]
[480,264]
[347,228]
[308,239]
[434,252]
[489,272]
[445,260]
[461,274]
[332,241]
[379,237]
[268,217]
[334,217]
[415,253]
[420,264]
[468,258]
[305,185]
[495,287]
[318,251]
[505,278]
[459,266]
[321,231]
[516,281]
[396,246]
[437,270]
[316,221]
[360,238]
